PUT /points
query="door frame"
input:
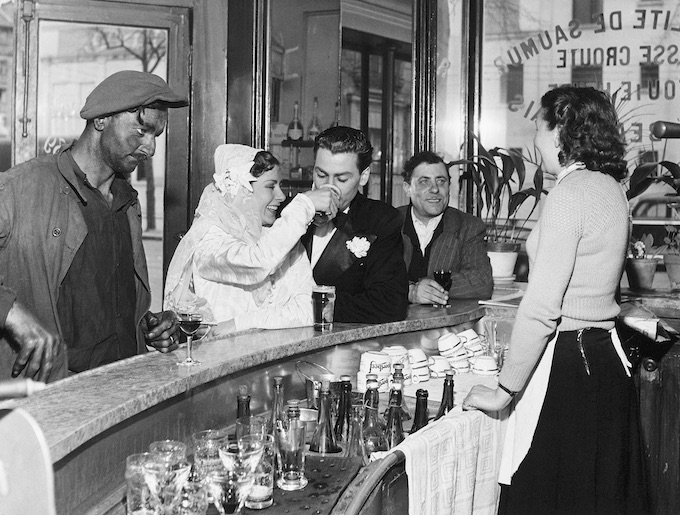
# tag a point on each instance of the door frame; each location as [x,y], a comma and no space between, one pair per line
[176,20]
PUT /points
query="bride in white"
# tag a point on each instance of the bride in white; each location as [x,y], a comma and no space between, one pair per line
[239,265]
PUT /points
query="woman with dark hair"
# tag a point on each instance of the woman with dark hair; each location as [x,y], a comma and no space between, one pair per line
[239,265]
[572,442]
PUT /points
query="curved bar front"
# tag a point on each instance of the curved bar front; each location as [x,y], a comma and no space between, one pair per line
[93,420]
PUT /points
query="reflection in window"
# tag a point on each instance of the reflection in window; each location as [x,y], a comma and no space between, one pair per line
[649,76]
[586,10]
[586,76]
[513,84]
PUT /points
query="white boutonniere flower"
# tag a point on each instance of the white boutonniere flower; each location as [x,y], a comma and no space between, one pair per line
[359,246]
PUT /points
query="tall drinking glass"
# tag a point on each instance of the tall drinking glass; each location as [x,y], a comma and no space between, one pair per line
[206,452]
[172,450]
[138,496]
[443,277]
[189,324]
[290,453]
[262,492]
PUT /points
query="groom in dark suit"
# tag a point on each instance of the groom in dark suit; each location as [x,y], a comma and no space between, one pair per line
[359,251]
[439,237]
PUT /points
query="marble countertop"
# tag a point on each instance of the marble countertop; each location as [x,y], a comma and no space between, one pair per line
[76,409]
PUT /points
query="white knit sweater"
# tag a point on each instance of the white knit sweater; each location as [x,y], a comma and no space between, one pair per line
[576,255]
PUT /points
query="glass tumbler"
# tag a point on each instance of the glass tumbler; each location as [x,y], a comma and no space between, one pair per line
[262,492]
[206,452]
[138,496]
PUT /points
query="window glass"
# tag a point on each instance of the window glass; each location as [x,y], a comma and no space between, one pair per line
[6,81]
[628,48]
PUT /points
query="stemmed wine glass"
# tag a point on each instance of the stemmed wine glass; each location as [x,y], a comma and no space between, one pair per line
[443,277]
[189,324]
[240,465]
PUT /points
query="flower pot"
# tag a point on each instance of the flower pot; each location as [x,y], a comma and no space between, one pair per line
[503,257]
[641,273]
[672,262]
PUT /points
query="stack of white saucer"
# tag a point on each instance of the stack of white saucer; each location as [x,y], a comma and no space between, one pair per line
[484,366]
[374,362]
[460,349]
[452,347]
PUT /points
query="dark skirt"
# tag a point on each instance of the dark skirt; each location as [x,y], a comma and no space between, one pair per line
[586,454]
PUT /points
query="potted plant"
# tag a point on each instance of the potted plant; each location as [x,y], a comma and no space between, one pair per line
[498,175]
[640,265]
[641,179]
[671,255]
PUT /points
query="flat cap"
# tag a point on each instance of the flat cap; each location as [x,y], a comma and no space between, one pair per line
[129,89]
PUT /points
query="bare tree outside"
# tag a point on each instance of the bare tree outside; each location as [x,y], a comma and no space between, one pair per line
[149,47]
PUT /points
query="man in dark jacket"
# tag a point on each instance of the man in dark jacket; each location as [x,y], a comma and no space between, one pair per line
[73,275]
[360,251]
[439,237]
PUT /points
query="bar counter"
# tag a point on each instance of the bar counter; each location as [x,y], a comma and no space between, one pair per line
[93,420]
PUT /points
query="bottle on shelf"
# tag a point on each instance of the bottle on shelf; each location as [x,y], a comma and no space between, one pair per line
[344,411]
[395,430]
[355,446]
[398,377]
[242,402]
[420,418]
[374,435]
[336,119]
[314,127]
[295,129]
[447,396]
[323,440]
[277,405]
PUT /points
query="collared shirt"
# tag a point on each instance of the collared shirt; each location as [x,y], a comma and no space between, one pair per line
[425,231]
[97,298]
[420,257]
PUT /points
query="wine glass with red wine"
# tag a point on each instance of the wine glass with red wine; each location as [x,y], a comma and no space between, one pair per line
[189,324]
[443,277]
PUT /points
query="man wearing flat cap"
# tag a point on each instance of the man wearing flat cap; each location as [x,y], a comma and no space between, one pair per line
[74,288]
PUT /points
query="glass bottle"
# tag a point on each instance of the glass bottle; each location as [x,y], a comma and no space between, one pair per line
[398,377]
[295,128]
[447,396]
[242,402]
[344,411]
[314,128]
[420,418]
[323,440]
[374,435]
[277,405]
[375,400]
[336,120]
[355,442]
[395,431]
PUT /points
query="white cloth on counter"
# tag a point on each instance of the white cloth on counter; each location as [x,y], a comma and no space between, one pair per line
[452,465]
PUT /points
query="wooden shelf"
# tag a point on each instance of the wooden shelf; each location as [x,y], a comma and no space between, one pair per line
[300,143]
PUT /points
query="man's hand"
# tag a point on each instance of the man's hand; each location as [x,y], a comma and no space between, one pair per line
[161,330]
[427,291]
[37,346]
[486,399]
